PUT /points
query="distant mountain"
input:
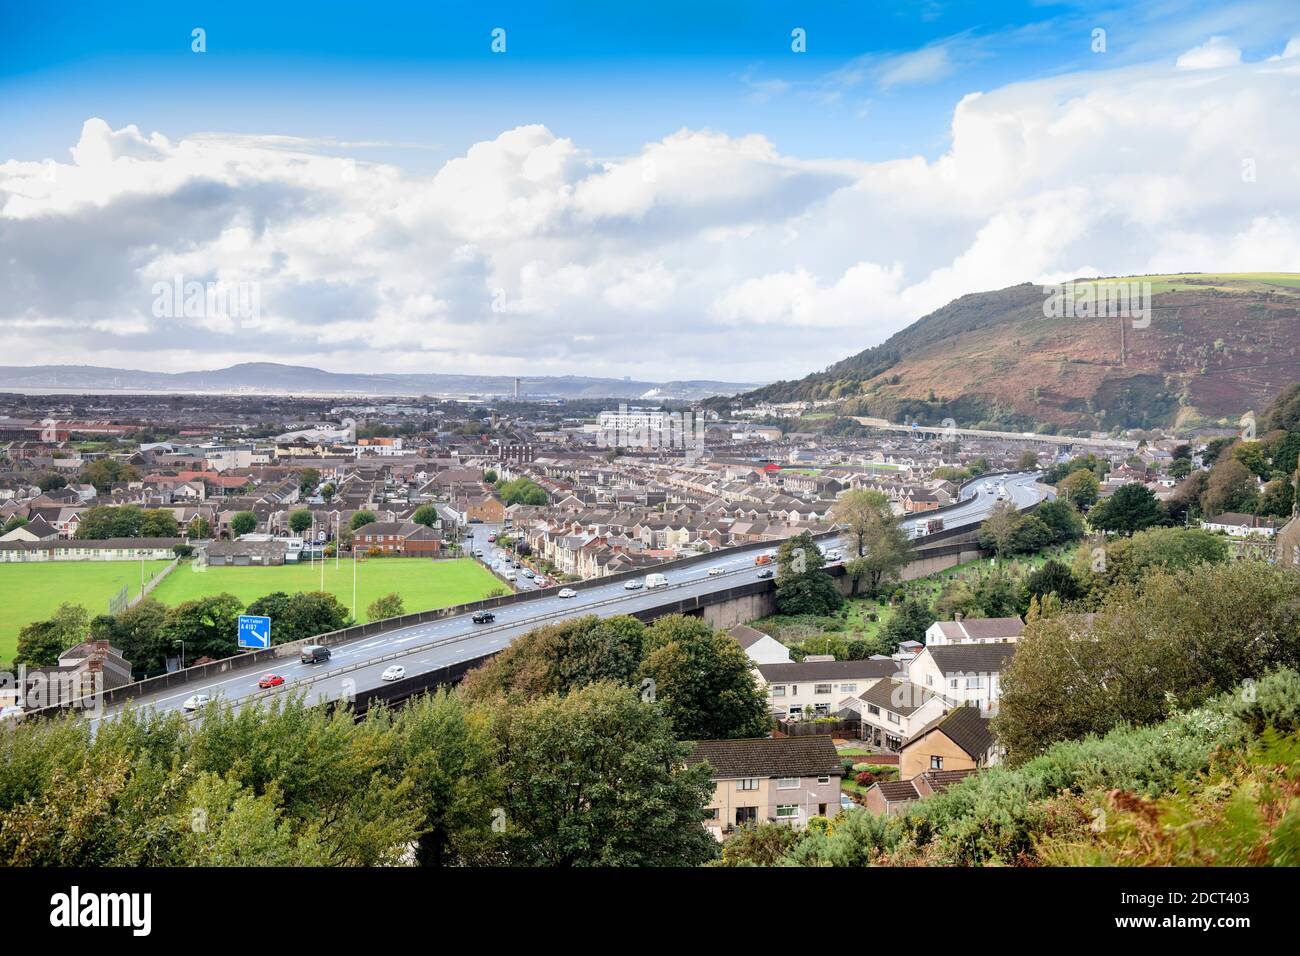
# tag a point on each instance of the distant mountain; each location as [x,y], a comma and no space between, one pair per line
[271,378]
[1217,346]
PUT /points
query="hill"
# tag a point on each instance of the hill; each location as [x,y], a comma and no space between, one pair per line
[1216,347]
[269,377]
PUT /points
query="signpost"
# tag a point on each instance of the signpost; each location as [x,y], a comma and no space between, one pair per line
[254,631]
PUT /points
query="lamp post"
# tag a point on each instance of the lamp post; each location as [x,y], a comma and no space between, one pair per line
[182,644]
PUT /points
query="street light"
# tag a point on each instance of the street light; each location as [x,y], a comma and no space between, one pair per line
[182,644]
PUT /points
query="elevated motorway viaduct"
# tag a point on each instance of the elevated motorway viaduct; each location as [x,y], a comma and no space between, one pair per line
[439,647]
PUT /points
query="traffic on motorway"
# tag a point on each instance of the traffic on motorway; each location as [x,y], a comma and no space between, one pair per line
[362,664]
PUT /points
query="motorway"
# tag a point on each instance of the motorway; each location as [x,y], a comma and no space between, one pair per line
[358,664]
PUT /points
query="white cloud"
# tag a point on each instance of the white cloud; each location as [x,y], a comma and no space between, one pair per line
[1214,53]
[701,254]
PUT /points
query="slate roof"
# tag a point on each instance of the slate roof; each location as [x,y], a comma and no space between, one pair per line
[828,670]
[897,791]
[900,697]
[745,636]
[971,658]
[965,727]
[769,757]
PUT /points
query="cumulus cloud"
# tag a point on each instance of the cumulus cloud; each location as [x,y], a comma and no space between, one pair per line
[1213,53]
[701,254]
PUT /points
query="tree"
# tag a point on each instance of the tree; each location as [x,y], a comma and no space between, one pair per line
[875,536]
[703,681]
[996,594]
[452,761]
[50,481]
[1131,508]
[999,530]
[561,657]
[1231,487]
[1131,560]
[426,515]
[1277,499]
[159,523]
[308,479]
[41,643]
[1080,487]
[490,476]
[1052,578]
[1173,641]
[1028,461]
[802,587]
[596,778]
[243,522]
[361,519]
[300,615]
[137,633]
[104,472]
[390,605]
[1062,518]
[199,527]
[909,622]
[209,627]
[100,522]
[300,521]
[522,491]
[15,521]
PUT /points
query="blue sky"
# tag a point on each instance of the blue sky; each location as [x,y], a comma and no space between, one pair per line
[611,75]
[674,162]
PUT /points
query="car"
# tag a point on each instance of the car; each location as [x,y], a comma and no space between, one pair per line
[655,581]
[847,802]
[270,680]
[633,585]
[478,552]
[491,538]
[528,573]
[195,702]
[540,581]
[396,672]
[714,572]
[567,593]
[766,573]
[314,654]
[484,617]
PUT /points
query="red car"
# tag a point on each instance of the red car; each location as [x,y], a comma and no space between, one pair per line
[271,680]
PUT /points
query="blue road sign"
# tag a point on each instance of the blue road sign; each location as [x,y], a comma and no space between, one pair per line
[254,631]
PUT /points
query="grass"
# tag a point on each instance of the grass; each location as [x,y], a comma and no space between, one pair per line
[423,584]
[32,592]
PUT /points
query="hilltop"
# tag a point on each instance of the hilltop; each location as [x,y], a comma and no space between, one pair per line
[1216,347]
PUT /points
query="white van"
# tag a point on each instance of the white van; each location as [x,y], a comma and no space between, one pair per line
[653,581]
[509,574]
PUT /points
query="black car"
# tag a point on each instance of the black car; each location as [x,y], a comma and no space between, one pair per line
[484,617]
[765,573]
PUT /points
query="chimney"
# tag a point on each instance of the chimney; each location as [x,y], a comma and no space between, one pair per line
[957,617]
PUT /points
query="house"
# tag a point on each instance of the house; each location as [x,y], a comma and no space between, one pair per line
[891,797]
[398,538]
[82,671]
[785,780]
[107,549]
[38,529]
[1239,525]
[759,647]
[963,673]
[815,688]
[892,711]
[980,630]
[245,552]
[959,740]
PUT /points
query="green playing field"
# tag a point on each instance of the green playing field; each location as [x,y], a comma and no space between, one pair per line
[31,592]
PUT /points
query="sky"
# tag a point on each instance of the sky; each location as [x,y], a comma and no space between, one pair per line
[734,191]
